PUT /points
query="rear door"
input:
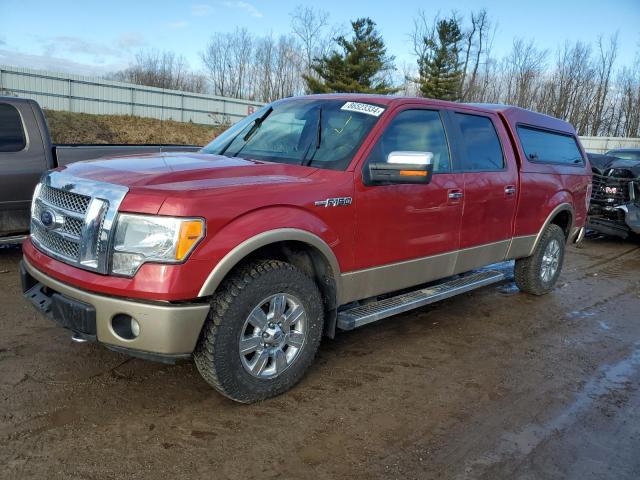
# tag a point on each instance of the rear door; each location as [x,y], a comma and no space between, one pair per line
[22,161]
[490,177]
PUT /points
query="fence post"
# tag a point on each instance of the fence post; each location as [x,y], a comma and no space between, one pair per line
[69,85]
[132,100]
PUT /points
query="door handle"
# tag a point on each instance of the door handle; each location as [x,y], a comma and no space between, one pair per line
[455,195]
[509,190]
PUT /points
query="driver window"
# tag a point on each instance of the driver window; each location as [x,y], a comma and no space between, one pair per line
[415,131]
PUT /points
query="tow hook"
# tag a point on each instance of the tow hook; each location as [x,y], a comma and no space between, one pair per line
[77,338]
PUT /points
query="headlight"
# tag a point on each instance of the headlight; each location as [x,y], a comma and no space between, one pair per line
[150,238]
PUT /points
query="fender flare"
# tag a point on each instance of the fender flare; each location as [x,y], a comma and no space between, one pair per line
[563,207]
[238,253]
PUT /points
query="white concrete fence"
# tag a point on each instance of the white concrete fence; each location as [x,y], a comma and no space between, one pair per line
[75,93]
[604,144]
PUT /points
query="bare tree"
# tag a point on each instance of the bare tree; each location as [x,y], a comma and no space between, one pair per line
[522,72]
[606,58]
[242,65]
[310,25]
[163,70]
[476,44]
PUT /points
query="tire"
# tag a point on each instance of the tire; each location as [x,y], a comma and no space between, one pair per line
[237,308]
[530,271]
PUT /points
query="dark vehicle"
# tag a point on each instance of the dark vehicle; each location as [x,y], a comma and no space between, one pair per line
[625,153]
[26,152]
[615,198]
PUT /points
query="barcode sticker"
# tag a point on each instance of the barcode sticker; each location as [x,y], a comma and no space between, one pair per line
[363,108]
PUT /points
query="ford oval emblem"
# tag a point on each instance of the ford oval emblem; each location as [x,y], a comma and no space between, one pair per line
[48,218]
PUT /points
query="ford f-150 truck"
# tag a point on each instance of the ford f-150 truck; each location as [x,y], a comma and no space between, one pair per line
[26,151]
[314,214]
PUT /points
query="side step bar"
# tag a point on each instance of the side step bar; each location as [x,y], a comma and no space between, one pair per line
[12,239]
[371,312]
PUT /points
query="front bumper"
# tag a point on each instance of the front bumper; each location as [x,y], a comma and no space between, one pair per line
[167,331]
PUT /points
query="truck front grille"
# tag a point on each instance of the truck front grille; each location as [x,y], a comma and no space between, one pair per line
[72,219]
[611,191]
[56,243]
[66,200]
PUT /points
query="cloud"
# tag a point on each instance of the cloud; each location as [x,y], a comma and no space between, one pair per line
[77,45]
[57,64]
[201,10]
[246,7]
[130,40]
[178,25]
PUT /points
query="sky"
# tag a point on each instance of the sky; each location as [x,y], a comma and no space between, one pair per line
[93,37]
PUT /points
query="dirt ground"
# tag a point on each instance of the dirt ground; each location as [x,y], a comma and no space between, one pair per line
[491,384]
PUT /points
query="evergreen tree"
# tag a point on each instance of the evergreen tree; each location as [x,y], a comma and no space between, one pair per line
[440,67]
[359,67]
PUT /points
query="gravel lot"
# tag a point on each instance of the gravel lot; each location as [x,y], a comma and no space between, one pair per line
[491,384]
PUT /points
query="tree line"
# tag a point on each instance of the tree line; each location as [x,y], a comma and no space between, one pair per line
[454,61]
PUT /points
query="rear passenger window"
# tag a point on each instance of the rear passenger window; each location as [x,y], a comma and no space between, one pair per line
[482,149]
[12,137]
[415,131]
[549,147]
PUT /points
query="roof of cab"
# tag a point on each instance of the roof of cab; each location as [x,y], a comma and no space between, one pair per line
[513,115]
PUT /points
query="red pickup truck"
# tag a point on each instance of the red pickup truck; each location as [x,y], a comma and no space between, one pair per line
[313,214]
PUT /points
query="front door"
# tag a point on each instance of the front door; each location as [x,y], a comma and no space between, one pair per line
[407,234]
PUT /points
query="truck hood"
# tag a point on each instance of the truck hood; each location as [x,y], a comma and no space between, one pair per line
[185,172]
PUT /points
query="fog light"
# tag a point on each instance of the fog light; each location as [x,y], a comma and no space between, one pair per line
[135,327]
[125,326]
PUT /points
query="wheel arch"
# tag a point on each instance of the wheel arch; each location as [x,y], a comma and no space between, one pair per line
[305,250]
[563,216]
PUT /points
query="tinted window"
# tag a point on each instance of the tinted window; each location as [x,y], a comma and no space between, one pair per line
[549,147]
[11,133]
[415,131]
[482,150]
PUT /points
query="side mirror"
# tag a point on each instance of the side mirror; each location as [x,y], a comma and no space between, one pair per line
[401,167]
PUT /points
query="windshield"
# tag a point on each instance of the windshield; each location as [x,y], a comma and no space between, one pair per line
[321,133]
[625,154]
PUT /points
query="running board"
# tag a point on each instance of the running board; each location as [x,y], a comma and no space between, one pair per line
[13,239]
[371,312]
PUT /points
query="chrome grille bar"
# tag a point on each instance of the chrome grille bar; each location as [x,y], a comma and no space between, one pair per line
[72,219]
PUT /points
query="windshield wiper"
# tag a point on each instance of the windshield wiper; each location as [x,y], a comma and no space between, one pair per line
[307,161]
[257,123]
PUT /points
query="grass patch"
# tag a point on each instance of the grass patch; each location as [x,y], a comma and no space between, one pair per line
[70,127]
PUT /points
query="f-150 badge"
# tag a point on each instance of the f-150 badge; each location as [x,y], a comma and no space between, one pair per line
[334,202]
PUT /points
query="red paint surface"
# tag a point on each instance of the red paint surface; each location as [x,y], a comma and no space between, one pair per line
[242,198]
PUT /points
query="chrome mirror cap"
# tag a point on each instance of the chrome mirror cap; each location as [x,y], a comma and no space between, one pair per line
[410,158]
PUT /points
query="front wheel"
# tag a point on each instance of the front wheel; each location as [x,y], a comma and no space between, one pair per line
[538,273]
[262,333]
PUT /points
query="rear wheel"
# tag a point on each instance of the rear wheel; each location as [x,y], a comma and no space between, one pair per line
[262,333]
[538,273]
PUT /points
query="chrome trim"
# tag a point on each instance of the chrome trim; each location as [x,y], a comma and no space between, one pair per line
[371,312]
[14,239]
[98,219]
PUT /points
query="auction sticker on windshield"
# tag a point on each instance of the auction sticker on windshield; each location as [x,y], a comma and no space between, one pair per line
[363,108]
